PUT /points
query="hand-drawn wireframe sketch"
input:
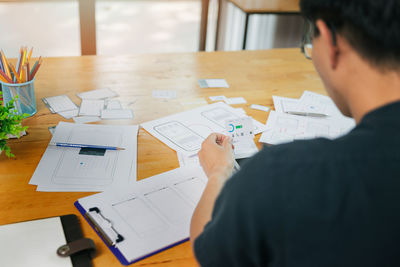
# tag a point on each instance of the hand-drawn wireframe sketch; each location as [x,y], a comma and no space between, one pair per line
[67,169]
[283,128]
[186,131]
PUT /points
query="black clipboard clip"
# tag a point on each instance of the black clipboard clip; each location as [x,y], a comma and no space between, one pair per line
[103,226]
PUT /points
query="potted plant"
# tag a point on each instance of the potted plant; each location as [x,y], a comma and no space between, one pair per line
[10,124]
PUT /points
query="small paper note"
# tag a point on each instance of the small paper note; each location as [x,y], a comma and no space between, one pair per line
[98,94]
[86,119]
[213,83]
[59,103]
[91,107]
[168,94]
[113,104]
[116,114]
[218,98]
[235,100]
[259,107]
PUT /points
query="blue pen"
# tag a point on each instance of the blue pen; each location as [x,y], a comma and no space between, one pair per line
[85,146]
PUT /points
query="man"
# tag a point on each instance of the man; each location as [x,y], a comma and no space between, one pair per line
[318,202]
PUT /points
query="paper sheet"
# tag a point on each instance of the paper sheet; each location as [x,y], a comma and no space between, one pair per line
[108,114]
[283,128]
[260,107]
[284,104]
[86,119]
[213,83]
[69,114]
[59,103]
[217,98]
[235,100]
[33,243]
[91,107]
[186,131]
[165,204]
[98,94]
[64,169]
[185,160]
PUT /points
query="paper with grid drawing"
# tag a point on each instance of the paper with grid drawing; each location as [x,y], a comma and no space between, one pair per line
[152,214]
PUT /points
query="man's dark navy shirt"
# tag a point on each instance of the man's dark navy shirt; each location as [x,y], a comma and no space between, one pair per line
[313,203]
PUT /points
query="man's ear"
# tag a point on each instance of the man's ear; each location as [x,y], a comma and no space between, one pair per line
[328,42]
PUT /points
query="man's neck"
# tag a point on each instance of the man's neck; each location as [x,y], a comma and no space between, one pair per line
[372,89]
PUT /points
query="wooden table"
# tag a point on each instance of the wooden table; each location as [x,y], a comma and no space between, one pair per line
[255,75]
[249,7]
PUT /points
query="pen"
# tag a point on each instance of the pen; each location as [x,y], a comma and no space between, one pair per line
[85,146]
[308,114]
[236,165]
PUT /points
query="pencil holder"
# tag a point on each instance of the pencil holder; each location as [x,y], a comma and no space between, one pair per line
[25,104]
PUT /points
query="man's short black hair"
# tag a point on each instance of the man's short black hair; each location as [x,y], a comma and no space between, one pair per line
[372,27]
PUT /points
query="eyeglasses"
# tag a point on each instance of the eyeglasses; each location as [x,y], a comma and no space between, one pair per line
[308,34]
[306,43]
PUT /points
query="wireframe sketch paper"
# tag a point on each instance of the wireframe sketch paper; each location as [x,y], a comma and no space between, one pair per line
[309,102]
[59,103]
[186,131]
[151,215]
[91,107]
[68,169]
[283,128]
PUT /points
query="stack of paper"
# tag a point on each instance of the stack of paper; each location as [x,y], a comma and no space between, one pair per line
[95,105]
[75,169]
[283,127]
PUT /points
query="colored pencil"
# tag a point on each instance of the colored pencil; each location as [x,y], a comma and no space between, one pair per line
[28,71]
[5,77]
[33,68]
[15,73]
[37,67]
[30,54]
[5,65]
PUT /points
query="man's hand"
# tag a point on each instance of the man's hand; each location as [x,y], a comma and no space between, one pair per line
[216,157]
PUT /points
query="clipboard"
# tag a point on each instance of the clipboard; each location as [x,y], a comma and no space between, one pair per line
[131,238]
[54,241]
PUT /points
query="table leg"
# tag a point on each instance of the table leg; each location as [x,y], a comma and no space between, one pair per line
[246,25]
[203,24]
[217,27]
[87,18]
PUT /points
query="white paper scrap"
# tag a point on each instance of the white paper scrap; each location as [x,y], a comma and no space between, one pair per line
[235,100]
[107,114]
[168,94]
[218,98]
[59,103]
[98,94]
[259,107]
[86,119]
[90,107]
[213,83]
